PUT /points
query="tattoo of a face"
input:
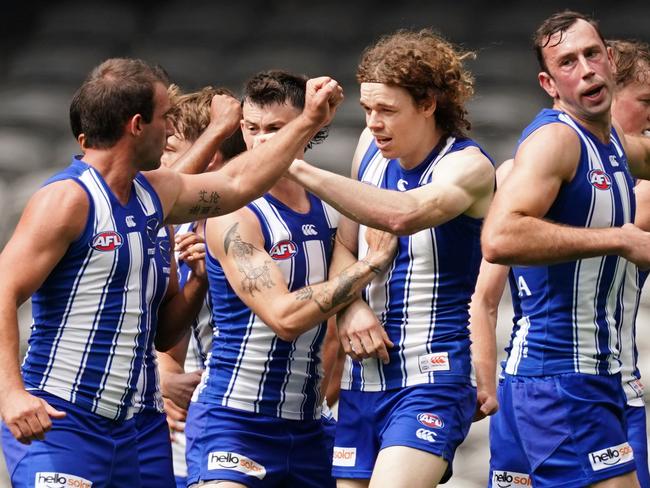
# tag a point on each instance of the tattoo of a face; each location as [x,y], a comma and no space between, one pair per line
[304,293]
[253,277]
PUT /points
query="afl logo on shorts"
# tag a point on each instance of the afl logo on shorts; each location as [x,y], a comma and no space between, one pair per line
[431,420]
[107,241]
[283,250]
[599,179]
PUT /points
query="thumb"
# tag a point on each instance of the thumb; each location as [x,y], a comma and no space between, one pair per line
[384,336]
[53,412]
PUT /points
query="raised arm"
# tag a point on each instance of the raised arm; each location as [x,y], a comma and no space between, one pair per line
[515,231]
[54,217]
[463,182]
[237,242]
[251,174]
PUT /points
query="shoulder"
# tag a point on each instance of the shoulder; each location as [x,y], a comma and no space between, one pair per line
[469,166]
[243,221]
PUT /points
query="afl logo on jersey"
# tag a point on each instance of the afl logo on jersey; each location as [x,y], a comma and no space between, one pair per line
[283,250]
[599,179]
[107,241]
[431,420]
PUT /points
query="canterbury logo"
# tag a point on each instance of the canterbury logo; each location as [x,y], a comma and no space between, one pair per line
[309,230]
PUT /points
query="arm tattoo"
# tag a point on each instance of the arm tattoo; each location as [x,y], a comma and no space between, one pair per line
[252,276]
[374,269]
[342,293]
[207,204]
[304,293]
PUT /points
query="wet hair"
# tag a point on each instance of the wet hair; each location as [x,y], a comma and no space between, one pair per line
[113,92]
[280,87]
[559,22]
[428,67]
[632,60]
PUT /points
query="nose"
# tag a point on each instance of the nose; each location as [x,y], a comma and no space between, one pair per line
[262,138]
[585,67]
[373,121]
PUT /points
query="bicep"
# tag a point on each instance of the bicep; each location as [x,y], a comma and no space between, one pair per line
[637,150]
[239,246]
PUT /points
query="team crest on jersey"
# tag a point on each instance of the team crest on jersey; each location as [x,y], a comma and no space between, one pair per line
[152,228]
[283,250]
[107,241]
[599,179]
[163,248]
[431,420]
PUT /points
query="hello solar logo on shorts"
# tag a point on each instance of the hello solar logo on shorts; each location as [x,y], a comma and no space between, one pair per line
[235,462]
[611,456]
[48,479]
[510,479]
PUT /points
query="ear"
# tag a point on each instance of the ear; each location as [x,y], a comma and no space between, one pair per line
[135,125]
[547,83]
[610,59]
[428,107]
[81,139]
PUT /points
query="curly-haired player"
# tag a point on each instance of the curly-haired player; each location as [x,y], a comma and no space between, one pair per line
[407,401]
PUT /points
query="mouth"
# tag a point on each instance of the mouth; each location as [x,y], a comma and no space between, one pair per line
[382,141]
[594,92]
[646,133]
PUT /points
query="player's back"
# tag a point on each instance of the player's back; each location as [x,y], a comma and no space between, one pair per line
[92,312]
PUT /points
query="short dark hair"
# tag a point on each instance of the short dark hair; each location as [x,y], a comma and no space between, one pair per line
[632,60]
[558,22]
[114,91]
[280,87]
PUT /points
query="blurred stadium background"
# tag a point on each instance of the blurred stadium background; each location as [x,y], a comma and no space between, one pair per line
[47,48]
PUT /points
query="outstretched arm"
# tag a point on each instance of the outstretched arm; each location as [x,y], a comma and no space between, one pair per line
[237,242]
[251,174]
[463,182]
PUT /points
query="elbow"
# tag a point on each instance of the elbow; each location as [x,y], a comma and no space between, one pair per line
[495,247]
[286,331]
[402,223]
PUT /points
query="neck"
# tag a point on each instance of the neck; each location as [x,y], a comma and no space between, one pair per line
[291,194]
[116,167]
[600,126]
[427,143]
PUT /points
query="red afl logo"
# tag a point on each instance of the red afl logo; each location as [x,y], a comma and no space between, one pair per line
[599,179]
[283,250]
[107,241]
[431,420]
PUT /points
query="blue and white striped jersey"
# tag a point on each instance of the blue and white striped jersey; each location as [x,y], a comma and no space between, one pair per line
[422,300]
[200,343]
[93,312]
[572,312]
[250,367]
[148,395]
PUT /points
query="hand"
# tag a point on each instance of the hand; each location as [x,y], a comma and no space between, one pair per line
[179,387]
[191,249]
[225,113]
[636,244]
[382,245]
[323,95]
[361,334]
[176,417]
[486,404]
[27,416]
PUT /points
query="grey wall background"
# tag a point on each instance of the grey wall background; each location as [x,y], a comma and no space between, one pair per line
[47,48]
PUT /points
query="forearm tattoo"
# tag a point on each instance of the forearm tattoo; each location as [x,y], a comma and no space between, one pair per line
[340,293]
[207,204]
[253,277]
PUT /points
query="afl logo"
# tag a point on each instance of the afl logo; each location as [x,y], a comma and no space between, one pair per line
[599,179]
[107,241]
[283,250]
[431,420]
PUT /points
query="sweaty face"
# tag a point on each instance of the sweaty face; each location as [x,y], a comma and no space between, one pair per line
[259,124]
[579,75]
[155,133]
[176,146]
[398,125]
[631,107]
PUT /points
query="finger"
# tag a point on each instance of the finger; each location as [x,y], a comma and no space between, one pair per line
[367,344]
[53,412]
[35,426]
[16,432]
[25,431]
[44,419]
[346,344]
[356,348]
[386,339]
[380,347]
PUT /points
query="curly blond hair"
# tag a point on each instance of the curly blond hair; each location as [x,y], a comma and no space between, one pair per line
[428,67]
[632,60]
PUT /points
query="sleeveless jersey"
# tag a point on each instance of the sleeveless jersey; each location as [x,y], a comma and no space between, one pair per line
[572,312]
[422,300]
[148,395]
[250,367]
[93,312]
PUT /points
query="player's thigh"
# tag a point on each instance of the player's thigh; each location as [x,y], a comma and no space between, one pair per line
[218,484]
[406,467]
[351,483]
[628,480]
